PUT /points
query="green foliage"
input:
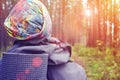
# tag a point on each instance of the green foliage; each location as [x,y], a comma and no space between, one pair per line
[99,65]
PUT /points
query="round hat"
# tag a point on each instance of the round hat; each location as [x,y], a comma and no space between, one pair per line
[28,19]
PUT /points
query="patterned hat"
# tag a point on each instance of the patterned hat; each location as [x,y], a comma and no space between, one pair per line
[27,20]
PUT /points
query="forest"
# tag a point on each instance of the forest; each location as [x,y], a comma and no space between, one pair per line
[92,27]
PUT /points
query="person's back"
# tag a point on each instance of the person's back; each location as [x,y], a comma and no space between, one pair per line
[30,24]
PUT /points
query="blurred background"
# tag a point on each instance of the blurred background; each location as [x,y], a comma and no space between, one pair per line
[92,27]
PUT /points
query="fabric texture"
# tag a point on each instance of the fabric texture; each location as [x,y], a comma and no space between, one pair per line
[28,19]
[59,51]
[68,71]
[24,66]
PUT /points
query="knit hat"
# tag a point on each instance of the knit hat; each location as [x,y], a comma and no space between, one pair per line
[28,19]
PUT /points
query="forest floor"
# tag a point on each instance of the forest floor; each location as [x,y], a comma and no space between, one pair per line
[99,65]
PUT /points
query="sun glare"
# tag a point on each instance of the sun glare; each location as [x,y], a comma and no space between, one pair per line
[88,13]
[117,1]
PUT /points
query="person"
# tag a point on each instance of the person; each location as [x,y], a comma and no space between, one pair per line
[30,24]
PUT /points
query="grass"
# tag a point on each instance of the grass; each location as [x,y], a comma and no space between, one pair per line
[99,65]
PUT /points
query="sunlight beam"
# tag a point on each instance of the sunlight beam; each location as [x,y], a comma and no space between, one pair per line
[88,12]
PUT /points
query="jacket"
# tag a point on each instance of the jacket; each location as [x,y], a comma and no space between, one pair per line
[60,67]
